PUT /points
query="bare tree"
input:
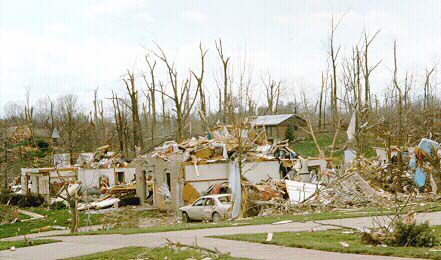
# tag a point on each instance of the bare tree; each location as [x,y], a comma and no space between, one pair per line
[71,197]
[151,87]
[29,111]
[333,54]
[180,96]
[200,88]
[322,95]
[368,70]
[400,95]
[99,124]
[68,109]
[121,124]
[224,61]
[136,122]
[272,94]
[427,88]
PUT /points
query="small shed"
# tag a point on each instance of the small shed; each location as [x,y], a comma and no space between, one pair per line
[21,133]
[277,127]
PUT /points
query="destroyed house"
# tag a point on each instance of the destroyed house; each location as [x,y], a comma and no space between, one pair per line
[46,181]
[178,183]
[277,127]
[102,169]
[182,172]
[95,173]
[106,177]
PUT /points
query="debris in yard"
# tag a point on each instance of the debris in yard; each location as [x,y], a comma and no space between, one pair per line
[58,228]
[344,244]
[206,253]
[282,222]
[269,237]
[300,191]
[42,229]
[12,248]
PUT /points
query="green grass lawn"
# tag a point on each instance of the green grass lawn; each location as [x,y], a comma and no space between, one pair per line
[329,240]
[53,218]
[307,148]
[22,243]
[338,214]
[145,253]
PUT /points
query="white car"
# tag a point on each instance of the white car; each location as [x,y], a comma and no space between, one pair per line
[211,207]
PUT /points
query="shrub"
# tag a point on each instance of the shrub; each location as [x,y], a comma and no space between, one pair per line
[290,134]
[8,214]
[10,198]
[24,201]
[58,205]
[413,234]
[132,200]
[43,145]
[31,200]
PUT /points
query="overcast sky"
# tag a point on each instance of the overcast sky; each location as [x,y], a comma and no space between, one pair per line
[61,47]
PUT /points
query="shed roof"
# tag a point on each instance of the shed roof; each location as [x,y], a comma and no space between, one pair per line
[42,133]
[271,119]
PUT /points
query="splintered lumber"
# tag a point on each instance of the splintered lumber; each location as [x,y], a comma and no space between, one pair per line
[117,190]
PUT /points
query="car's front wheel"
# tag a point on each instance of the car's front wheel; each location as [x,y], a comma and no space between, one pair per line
[185,217]
[216,217]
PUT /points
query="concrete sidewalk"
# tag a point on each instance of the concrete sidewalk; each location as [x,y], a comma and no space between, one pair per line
[81,245]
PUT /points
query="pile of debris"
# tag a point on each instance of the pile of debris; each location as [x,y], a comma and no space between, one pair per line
[362,183]
[381,181]
[348,191]
[384,176]
[112,197]
[267,198]
[221,144]
[103,157]
[407,169]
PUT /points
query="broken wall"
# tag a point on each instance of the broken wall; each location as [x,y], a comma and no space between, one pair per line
[260,171]
[162,169]
[90,178]
[203,176]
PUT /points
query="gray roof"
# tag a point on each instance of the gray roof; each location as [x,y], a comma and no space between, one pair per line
[271,119]
[42,133]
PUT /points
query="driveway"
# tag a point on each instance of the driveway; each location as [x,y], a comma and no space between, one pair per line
[81,245]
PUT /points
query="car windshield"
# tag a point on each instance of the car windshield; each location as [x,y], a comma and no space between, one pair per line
[199,202]
[225,199]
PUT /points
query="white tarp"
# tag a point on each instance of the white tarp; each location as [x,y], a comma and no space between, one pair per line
[351,127]
[349,156]
[300,191]
[236,190]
